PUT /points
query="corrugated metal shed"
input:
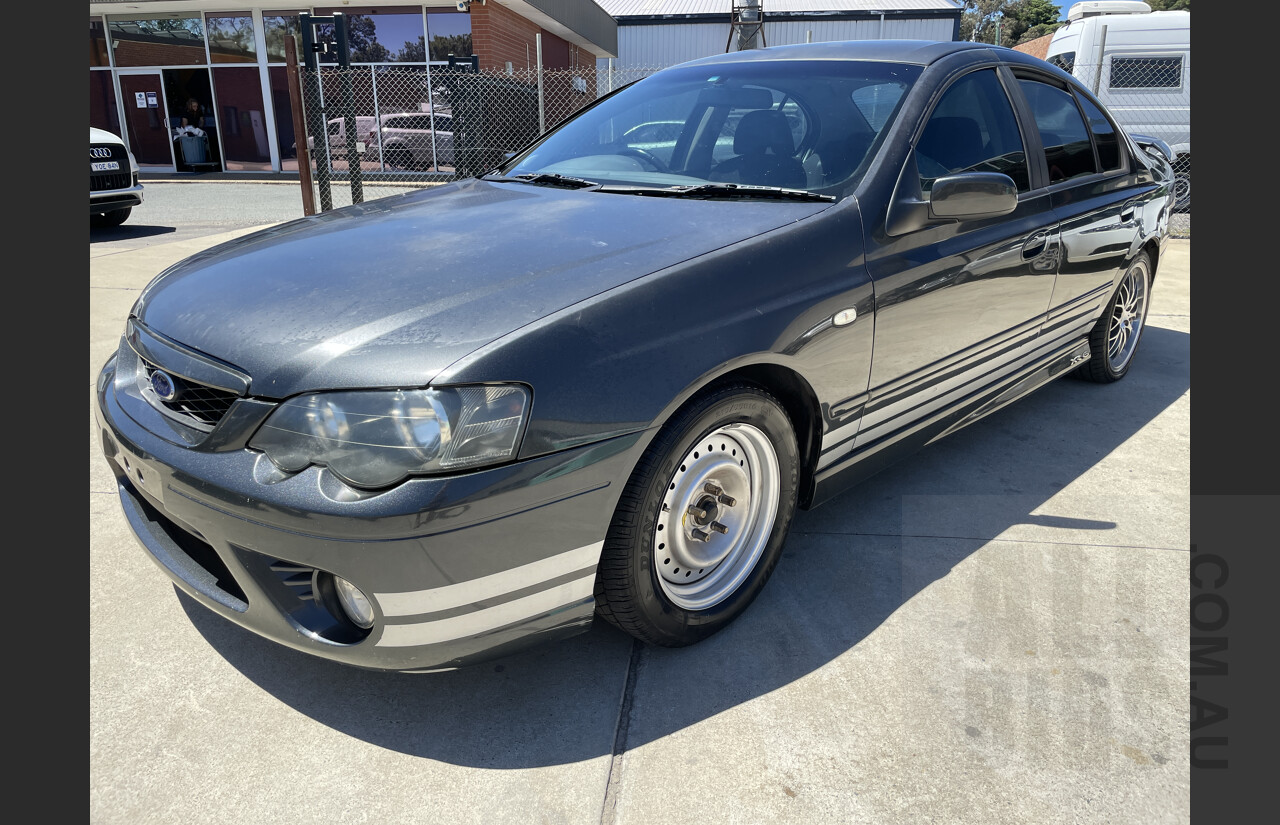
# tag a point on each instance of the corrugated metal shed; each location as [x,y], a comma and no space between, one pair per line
[658,33]
[644,8]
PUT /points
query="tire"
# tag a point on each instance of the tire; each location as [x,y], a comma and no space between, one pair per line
[399,158]
[1182,185]
[668,576]
[113,218]
[1115,337]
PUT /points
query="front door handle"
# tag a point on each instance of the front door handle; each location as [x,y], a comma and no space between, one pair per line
[1035,245]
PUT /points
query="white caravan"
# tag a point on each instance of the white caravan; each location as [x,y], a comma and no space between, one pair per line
[1138,63]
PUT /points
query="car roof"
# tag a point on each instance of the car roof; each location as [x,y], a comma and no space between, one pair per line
[918,52]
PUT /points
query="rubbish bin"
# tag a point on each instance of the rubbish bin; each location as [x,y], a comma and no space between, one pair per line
[193,149]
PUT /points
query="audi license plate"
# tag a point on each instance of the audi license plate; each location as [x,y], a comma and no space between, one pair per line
[104,165]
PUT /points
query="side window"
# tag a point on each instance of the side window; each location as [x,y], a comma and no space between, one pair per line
[335,128]
[972,129]
[1104,136]
[444,124]
[1067,147]
[1145,73]
[1065,61]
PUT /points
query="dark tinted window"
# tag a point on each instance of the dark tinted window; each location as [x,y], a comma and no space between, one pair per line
[1145,73]
[1065,61]
[1104,136]
[972,129]
[1067,147]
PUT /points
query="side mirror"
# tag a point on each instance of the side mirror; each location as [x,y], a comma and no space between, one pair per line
[963,196]
[972,196]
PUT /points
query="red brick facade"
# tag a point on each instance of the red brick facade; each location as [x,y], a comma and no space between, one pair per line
[499,36]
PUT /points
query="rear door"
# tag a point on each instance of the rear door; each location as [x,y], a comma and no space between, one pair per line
[1096,194]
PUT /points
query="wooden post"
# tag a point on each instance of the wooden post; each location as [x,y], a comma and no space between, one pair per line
[299,125]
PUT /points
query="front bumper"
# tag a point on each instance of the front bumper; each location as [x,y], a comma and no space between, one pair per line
[459,569]
[113,199]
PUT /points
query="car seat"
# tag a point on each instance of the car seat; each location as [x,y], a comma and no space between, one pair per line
[764,150]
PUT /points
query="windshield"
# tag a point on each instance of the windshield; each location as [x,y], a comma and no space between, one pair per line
[805,125]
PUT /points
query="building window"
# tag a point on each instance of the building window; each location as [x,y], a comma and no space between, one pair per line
[275,25]
[377,36]
[231,39]
[1145,73]
[172,40]
[450,33]
[98,43]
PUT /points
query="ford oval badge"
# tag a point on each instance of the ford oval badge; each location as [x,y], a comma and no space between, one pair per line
[163,386]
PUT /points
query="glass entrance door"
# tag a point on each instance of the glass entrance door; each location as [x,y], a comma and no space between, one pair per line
[146,119]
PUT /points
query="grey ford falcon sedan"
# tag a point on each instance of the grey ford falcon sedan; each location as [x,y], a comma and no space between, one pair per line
[428,430]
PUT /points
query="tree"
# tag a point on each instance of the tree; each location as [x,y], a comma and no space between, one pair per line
[1009,20]
[363,37]
[413,52]
[1169,5]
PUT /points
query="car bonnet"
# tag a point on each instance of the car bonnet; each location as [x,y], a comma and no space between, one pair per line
[389,293]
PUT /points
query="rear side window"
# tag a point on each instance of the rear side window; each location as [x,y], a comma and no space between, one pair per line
[972,129]
[1104,136]
[1067,147]
[1145,73]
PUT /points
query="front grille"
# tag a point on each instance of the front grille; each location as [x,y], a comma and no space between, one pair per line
[107,181]
[202,404]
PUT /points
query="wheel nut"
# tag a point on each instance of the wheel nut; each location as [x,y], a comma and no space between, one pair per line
[713,488]
[718,527]
[700,535]
[727,501]
[696,512]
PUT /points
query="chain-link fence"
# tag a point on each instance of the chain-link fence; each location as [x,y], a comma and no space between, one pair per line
[415,127]
[1149,95]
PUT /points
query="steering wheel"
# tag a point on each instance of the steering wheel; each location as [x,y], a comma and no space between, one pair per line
[646,156]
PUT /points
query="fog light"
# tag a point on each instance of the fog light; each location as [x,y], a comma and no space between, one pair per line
[354,603]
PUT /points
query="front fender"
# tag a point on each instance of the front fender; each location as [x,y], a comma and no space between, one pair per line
[626,359]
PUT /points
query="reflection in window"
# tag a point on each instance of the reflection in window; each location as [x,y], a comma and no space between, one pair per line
[1067,147]
[231,40]
[157,41]
[377,37]
[450,33]
[103,112]
[972,129]
[275,25]
[242,119]
[97,43]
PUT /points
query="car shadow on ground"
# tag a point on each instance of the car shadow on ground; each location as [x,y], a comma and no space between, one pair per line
[847,567]
[125,232]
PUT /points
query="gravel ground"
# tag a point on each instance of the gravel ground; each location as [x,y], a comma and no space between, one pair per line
[1180,225]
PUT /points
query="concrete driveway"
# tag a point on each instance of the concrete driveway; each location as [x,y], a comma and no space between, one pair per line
[992,631]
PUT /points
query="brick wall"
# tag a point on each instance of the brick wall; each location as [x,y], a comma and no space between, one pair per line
[499,35]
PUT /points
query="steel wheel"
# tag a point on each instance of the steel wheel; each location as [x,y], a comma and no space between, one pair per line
[700,525]
[717,516]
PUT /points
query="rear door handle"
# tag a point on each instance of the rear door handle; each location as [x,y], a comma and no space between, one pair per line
[1035,245]
[1127,211]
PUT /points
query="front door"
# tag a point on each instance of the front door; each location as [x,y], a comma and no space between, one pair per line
[959,305]
[146,120]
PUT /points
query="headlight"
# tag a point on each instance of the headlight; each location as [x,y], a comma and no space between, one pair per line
[377,438]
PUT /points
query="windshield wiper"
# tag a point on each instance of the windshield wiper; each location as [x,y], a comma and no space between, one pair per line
[711,191]
[545,179]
